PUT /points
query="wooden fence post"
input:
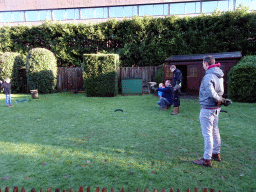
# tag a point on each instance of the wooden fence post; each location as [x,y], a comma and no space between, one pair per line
[81,189]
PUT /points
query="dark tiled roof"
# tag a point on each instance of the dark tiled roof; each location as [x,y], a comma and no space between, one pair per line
[224,55]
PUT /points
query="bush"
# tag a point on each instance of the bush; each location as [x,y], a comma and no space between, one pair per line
[159,78]
[6,64]
[100,75]
[41,67]
[10,64]
[242,80]
[17,80]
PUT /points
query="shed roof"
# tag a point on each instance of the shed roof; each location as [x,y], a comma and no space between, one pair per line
[224,55]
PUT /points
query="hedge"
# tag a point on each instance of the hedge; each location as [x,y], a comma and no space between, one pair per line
[143,41]
[100,75]
[242,80]
[10,63]
[41,68]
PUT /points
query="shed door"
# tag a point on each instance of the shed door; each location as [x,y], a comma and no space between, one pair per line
[193,79]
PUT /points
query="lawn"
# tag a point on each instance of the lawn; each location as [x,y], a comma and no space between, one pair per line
[67,140]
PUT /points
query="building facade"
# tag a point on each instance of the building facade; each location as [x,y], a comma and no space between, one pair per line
[34,12]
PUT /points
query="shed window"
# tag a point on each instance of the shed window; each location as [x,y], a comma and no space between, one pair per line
[193,72]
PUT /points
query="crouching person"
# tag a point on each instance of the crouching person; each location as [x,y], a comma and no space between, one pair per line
[165,96]
[210,97]
[7,91]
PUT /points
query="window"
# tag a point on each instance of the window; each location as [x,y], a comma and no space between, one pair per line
[116,11]
[43,15]
[166,9]
[159,9]
[77,14]
[6,17]
[105,12]
[193,72]
[177,8]
[91,13]
[190,7]
[70,14]
[18,16]
[135,10]
[145,10]
[198,7]
[128,11]
[223,5]
[209,7]
[32,16]
[59,14]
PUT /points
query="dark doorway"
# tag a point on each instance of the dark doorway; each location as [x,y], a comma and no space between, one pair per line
[183,69]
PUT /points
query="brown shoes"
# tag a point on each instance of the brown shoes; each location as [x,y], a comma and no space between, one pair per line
[204,162]
[175,111]
[216,157]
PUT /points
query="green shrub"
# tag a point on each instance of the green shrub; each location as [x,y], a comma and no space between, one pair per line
[100,75]
[18,81]
[41,67]
[10,65]
[159,78]
[7,60]
[242,80]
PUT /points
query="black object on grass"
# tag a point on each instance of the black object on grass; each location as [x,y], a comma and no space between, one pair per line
[118,110]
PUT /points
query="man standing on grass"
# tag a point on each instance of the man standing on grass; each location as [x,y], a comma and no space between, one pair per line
[210,97]
[176,84]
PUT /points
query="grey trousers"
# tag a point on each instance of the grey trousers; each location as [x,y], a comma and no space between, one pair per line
[164,102]
[209,124]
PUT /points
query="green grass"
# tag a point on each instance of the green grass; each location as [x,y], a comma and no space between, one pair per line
[65,141]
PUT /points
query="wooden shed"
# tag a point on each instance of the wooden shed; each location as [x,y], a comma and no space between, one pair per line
[192,68]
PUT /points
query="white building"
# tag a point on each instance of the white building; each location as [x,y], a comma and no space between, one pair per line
[34,12]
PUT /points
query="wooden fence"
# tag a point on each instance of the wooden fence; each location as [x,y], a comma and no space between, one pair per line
[144,73]
[81,189]
[71,79]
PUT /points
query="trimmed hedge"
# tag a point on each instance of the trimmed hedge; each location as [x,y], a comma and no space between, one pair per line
[100,75]
[141,41]
[41,68]
[242,80]
[10,64]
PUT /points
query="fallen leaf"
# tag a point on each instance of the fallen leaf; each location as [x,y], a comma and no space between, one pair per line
[88,161]
[153,172]
[5,178]
[43,163]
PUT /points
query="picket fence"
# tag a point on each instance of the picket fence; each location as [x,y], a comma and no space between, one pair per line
[88,189]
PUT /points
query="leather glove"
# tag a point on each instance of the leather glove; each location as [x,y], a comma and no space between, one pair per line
[154,88]
[226,102]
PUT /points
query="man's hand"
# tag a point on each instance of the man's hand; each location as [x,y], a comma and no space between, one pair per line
[219,102]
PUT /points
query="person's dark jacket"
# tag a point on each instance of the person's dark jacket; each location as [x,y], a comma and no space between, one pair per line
[167,93]
[177,78]
[6,87]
